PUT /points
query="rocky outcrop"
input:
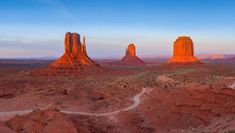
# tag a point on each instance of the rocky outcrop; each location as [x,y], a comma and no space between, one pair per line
[183,51]
[75,55]
[130,58]
[5,129]
[43,121]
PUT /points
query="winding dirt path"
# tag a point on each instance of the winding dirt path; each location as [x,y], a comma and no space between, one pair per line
[136,101]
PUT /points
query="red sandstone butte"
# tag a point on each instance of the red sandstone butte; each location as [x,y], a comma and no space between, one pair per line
[183,51]
[130,58]
[75,55]
[74,61]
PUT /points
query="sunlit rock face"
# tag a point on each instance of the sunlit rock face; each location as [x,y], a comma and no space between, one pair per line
[75,53]
[183,51]
[130,58]
[130,51]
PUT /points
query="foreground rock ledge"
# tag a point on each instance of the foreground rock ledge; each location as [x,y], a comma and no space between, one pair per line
[43,121]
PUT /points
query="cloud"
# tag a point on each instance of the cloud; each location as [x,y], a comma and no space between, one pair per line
[61,8]
[18,48]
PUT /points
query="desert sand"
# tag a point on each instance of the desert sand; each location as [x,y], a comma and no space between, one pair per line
[182,98]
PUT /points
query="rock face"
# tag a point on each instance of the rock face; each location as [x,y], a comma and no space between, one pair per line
[183,51]
[130,58]
[5,129]
[130,51]
[75,55]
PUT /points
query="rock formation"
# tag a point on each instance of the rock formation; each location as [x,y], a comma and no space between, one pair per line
[183,51]
[5,129]
[130,58]
[75,55]
[74,61]
[43,121]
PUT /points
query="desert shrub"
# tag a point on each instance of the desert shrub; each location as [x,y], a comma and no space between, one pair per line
[231,131]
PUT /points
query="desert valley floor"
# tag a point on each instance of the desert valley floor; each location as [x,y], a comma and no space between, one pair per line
[126,99]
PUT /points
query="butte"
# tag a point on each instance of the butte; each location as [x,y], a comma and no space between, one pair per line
[130,57]
[183,52]
[75,59]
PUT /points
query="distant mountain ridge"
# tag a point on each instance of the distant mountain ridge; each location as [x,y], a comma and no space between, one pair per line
[215,56]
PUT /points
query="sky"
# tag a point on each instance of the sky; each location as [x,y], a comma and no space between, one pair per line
[36,28]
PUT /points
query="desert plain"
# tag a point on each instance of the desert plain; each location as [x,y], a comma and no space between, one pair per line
[172,98]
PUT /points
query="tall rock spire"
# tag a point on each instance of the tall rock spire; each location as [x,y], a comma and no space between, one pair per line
[84,40]
[84,45]
[68,43]
[76,43]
